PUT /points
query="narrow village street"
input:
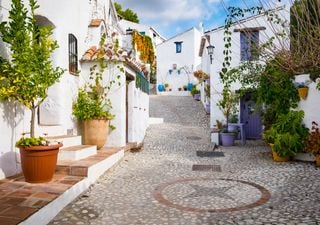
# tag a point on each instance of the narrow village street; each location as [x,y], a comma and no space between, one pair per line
[179,178]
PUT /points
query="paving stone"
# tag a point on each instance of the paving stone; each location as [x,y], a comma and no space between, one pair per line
[250,189]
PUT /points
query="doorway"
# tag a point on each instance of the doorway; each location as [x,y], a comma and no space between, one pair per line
[250,116]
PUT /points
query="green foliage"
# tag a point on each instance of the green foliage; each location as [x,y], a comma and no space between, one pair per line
[127,14]
[287,133]
[313,140]
[92,100]
[194,90]
[228,104]
[276,92]
[29,73]
[31,141]
[166,85]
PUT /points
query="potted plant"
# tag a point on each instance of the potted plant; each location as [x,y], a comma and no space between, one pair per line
[313,142]
[25,78]
[195,93]
[166,87]
[233,123]
[303,90]
[179,89]
[160,87]
[185,87]
[93,106]
[286,137]
[228,106]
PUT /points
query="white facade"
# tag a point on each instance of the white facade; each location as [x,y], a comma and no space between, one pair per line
[176,68]
[87,21]
[215,37]
[144,29]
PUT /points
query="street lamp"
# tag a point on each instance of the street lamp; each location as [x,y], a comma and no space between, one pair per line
[210,49]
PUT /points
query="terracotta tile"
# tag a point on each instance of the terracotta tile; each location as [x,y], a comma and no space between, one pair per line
[4,207]
[21,193]
[71,182]
[12,200]
[45,195]
[18,212]
[9,221]
[11,186]
[79,171]
[56,188]
[34,203]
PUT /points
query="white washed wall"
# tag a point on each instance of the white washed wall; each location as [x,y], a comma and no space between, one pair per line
[138,108]
[216,38]
[68,17]
[189,56]
[311,104]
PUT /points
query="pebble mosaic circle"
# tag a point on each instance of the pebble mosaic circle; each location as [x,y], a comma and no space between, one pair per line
[211,195]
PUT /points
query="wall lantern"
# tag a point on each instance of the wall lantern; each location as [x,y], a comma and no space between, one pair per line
[210,49]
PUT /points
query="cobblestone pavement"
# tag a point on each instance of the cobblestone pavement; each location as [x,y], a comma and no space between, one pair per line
[158,186]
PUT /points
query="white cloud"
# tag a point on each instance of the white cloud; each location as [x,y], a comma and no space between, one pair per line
[168,11]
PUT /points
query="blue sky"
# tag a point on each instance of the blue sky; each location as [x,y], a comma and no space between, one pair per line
[170,17]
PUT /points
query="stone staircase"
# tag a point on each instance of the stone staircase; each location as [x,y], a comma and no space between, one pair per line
[75,160]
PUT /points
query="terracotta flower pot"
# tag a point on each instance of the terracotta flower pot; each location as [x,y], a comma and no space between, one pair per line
[276,156]
[96,132]
[303,92]
[39,162]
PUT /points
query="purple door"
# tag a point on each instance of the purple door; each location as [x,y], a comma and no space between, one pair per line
[250,117]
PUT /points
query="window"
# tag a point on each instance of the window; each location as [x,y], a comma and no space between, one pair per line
[178,46]
[143,33]
[249,43]
[73,54]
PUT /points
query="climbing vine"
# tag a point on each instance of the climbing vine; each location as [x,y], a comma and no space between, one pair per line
[144,45]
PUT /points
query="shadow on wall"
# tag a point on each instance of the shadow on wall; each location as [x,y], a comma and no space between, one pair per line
[12,117]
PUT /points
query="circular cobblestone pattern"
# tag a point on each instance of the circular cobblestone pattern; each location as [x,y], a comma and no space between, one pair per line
[214,195]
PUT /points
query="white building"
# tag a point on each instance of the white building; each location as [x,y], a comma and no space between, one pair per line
[78,27]
[259,29]
[177,58]
[128,26]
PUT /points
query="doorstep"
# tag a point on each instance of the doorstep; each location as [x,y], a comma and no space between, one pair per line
[25,203]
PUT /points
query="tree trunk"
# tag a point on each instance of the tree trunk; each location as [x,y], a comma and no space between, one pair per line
[32,122]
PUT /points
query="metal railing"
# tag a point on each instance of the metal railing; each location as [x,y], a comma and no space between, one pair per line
[142,83]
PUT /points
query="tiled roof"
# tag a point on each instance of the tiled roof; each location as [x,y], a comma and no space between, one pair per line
[95,22]
[110,53]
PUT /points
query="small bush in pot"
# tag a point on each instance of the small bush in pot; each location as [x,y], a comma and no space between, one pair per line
[313,142]
[185,88]
[93,106]
[228,106]
[287,135]
[25,78]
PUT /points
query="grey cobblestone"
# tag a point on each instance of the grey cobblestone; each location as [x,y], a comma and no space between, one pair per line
[126,195]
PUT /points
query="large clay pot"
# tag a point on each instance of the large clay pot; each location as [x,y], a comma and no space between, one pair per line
[39,162]
[303,92]
[227,139]
[276,157]
[96,132]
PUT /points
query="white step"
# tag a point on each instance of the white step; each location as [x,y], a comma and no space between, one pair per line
[67,140]
[77,152]
[47,213]
[49,130]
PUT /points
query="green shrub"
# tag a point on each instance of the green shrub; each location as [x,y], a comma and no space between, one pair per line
[287,134]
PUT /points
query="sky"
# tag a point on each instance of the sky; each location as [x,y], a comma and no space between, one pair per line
[170,17]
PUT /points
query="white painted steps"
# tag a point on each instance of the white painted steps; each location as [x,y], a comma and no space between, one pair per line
[77,152]
[75,159]
[67,140]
